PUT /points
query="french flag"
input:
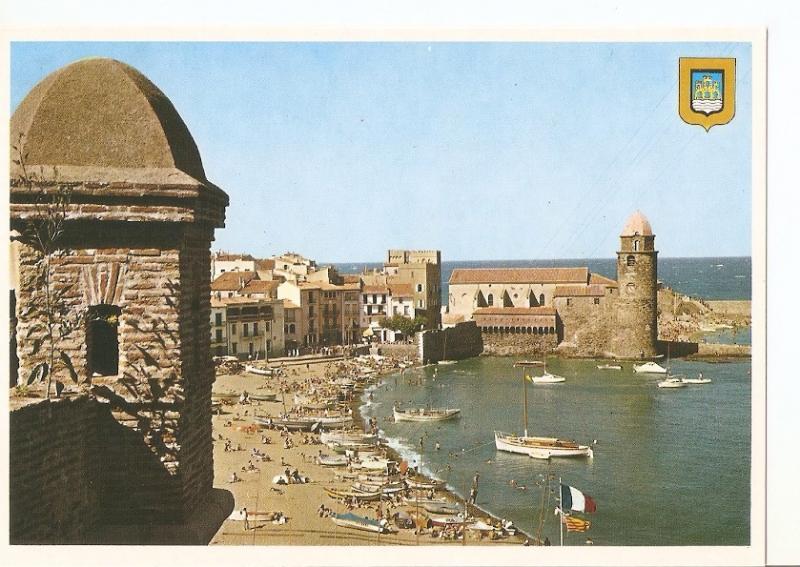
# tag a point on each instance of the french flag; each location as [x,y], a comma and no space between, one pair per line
[574,499]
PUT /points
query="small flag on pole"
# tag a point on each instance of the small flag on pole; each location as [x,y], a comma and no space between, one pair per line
[574,499]
[575,524]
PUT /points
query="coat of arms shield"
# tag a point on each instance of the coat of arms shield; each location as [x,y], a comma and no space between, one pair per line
[707,90]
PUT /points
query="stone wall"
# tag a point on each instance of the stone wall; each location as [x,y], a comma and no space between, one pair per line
[512,344]
[585,328]
[155,425]
[54,471]
[455,343]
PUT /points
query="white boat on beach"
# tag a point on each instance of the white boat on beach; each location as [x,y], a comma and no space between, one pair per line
[609,367]
[649,368]
[540,447]
[424,484]
[350,520]
[333,460]
[425,414]
[672,383]
[345,438]
[258,371]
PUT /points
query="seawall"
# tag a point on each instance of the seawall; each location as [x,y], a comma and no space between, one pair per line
[454,343]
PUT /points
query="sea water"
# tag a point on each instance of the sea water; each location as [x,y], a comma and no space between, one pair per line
[670,466]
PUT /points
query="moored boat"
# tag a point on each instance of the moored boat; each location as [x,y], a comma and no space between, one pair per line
[672,383]
[424,484]
[547,378]
[609,367]
[265,397]
[540,447]
[425,414]
[649,368]
[698,380]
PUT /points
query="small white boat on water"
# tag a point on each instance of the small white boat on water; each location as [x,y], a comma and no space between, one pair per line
[649,368]
[698,380]
[609,367]
[672,383]
[425,414]
[547,378]
[446,362]
[540,447]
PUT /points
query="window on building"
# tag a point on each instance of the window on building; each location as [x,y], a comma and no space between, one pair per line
[406,310]
[233,329]
[291,328]
[635,245]
[490,299]
[250,349]
[218,319]
[541,299]
[419,288]
[597,301]
[420,304]
[383,298]
[246,330]
[234,348]
[255,329]
[569,301]
[631,260]
[102,340]
[366,298]
[219,335]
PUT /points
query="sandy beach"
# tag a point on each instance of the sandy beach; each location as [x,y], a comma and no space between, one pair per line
[299,503]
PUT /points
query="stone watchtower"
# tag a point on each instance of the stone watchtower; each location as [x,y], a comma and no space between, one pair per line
[135,262]
[636,328]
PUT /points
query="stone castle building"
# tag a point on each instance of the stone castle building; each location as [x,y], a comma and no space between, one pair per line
[129,453]
[572,309]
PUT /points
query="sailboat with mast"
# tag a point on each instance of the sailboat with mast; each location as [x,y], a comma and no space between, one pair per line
[538,447]
[547,377]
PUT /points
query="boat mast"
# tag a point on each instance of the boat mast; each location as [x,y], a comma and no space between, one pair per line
[525,403]
[560,514]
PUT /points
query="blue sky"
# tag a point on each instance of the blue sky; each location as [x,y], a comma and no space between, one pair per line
[483,150]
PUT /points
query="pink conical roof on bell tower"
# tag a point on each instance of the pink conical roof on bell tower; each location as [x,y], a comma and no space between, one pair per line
[637,225]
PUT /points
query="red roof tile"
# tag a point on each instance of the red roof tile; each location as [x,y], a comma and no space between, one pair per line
[602,280]
[232,281]
[580,291]
[519,275]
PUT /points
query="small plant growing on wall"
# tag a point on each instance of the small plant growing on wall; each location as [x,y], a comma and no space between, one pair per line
[55,317]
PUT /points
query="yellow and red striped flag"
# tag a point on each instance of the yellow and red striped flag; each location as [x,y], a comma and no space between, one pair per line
[575,524]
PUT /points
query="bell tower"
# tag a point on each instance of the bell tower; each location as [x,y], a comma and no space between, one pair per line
[636,329]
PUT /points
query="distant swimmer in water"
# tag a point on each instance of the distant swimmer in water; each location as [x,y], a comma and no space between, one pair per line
[438,446]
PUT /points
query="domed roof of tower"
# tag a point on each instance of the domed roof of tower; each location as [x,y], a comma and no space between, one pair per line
[100,113]
[637,225]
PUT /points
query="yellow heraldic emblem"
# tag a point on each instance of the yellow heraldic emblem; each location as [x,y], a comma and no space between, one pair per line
[707,90]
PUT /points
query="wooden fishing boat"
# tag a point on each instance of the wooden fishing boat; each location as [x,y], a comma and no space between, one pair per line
[363,496]
[425,414]
[265,397]
[370,488]
[348,437]
[424,484]
[258,371]
[333,460]
[350,520]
